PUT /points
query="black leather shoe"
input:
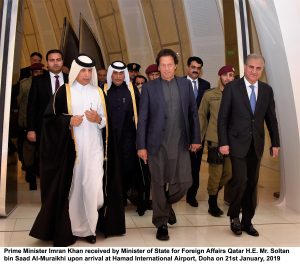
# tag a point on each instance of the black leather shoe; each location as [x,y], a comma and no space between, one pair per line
[91,239]
[162,233]
[220,211]
[250,230]
[192,202]
[215,212]
[172,218]
[140,211]
[235,226]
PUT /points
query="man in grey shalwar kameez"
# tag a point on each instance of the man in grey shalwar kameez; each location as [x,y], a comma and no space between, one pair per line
[168,128]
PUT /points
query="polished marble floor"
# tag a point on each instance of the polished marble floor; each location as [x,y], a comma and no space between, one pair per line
[277,225]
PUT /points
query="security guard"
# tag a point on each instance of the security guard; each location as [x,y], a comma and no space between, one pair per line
[152,72]
[219,167]
[133,70]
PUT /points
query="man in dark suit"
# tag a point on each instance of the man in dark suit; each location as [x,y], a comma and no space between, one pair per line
[246,104]
[41,91]
[102,73]
[168,127]
[194,69]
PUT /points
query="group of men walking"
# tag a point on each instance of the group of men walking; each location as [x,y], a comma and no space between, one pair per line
[98,147]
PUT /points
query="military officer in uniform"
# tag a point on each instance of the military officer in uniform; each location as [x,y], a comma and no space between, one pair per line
[219,168]
[152,72]
[133,70]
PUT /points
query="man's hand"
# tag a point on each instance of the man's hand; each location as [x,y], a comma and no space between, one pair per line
[76,120]
[92,116]
[143,154]
[31,136]
[275,151]
[195,147]
[224,150]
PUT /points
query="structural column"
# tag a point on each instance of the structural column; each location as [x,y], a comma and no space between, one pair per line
[278,27]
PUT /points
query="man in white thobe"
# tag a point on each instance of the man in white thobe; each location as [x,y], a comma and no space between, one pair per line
[86,194]
[72,157]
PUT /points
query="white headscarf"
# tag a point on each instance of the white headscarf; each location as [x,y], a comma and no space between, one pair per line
[118,66]
[83,61]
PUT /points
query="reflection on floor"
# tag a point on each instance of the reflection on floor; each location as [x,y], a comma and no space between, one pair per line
[277,225]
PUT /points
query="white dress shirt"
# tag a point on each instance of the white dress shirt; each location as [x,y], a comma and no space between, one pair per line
[188,77]
[53,79]
[249,90]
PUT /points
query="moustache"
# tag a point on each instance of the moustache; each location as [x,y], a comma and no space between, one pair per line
[195,72]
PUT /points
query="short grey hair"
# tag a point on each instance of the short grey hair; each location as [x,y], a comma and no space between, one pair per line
[254,56]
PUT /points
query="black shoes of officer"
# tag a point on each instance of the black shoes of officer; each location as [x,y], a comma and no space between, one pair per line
[250,230]
[172,217]
[91,239]
[162,233]
[235,226]
[214,209]
[193,202]
[216,212]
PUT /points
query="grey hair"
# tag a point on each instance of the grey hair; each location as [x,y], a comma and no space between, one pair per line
[254,56]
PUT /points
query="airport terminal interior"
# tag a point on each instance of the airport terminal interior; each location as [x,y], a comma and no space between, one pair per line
[122,35]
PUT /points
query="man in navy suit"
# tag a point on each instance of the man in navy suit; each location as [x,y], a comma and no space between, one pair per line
[168,128]
[194,69]
[246,104]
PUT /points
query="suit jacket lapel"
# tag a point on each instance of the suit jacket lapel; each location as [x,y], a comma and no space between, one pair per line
[66,78]
[260,92]
[182,92]
[200,87]
[200,92]
[48,85]
[159,92]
